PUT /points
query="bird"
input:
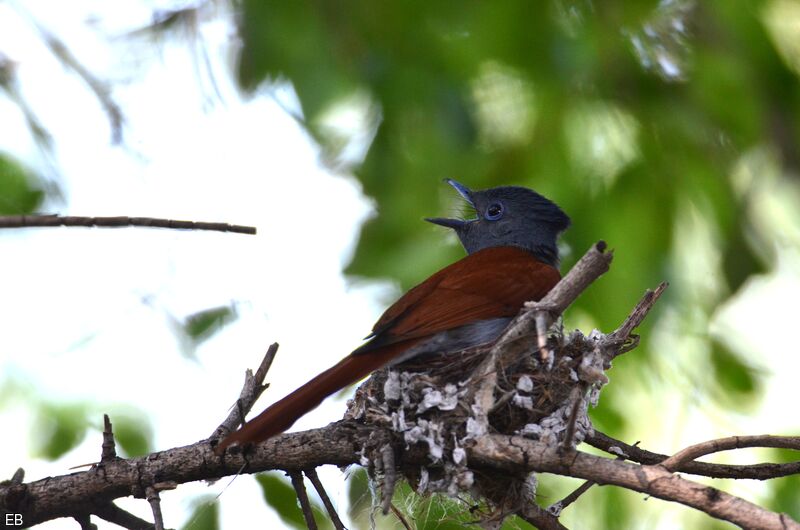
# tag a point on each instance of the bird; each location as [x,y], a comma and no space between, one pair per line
[512,258]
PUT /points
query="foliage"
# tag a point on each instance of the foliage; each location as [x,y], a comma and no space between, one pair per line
[635,117]
[652,123]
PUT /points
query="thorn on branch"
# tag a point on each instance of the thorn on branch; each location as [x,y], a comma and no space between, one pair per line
[109,448]
[18,477]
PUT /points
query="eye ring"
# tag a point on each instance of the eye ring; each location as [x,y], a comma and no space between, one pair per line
[494,211]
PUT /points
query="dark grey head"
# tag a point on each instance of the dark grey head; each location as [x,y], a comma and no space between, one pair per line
[509,216]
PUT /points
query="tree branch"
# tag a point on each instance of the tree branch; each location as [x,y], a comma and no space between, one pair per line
[725,444]
[514,453]
[344,443]
[636,454]
[302,496]
[32,221]
[253,388]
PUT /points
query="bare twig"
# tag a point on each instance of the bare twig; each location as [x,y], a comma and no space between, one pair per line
[155,504]
[724,444]
[752,471]
[558,507]
[32,221]
[109,448]
[251,390]
[114,514]
[302,496]
[400,517]
[312,475]
[85,521]
[635,318]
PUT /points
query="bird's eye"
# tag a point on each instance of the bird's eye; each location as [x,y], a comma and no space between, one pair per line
[494,211]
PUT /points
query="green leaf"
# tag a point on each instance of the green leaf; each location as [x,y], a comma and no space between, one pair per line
[281,497]
[358,493]
[731,373]
[204,324]
[205,514]
[133,434]
[59,428]
[18,194]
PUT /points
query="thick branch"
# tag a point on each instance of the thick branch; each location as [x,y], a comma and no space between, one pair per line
[514,453]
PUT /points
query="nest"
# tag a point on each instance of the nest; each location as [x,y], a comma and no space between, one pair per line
[430,404]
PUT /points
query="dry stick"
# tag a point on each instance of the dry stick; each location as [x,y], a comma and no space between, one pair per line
[635,318]
[114,514]
[85,521]
[312,475]
[251,390]
[109,448]
[725,444]
[32,221]
[558,507]
[747,471]
[516,453]
[155,504]
[300,489]
[397,513]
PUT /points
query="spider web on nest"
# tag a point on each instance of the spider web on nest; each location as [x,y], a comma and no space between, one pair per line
[429,403]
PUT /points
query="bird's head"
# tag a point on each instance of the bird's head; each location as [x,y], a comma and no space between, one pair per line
[509,216]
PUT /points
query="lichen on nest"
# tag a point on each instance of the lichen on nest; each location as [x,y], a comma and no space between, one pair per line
[430,403]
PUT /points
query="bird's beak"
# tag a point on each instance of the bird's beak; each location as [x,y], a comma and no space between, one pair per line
[455,224]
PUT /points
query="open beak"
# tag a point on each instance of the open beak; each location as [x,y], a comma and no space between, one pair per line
[455,224]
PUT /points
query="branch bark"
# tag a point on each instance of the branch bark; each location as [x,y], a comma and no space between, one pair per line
[33,221]
[515,452]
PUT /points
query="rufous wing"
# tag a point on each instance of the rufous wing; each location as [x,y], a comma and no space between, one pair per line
[494,282]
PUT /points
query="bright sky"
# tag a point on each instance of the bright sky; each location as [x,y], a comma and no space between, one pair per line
[89,317]
[81,330]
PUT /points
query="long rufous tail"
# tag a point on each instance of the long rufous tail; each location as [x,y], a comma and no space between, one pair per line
[282,414]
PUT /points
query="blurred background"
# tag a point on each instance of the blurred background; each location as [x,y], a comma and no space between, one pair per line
[668,129]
